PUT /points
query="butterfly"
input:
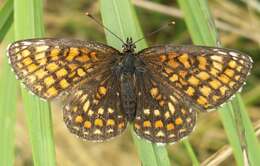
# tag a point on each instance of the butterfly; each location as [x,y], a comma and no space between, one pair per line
[158,89]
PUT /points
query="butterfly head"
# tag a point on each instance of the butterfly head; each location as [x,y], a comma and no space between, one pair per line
[129,45]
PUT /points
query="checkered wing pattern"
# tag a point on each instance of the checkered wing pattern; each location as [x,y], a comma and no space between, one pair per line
[93,111]
[204,76]
[49,67]
[162,114]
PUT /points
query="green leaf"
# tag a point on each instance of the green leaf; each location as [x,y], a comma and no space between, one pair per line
[6,17]
[8,97]
[119,16]
[29,24]
[234,117]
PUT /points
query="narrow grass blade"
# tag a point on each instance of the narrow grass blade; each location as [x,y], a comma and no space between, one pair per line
[6,17]
[29,24]
[8,97]
[226,114]
[191,153]
[202,30]
[246,130]
[119,16]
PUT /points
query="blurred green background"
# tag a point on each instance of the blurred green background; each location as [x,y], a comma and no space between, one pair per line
[238,22]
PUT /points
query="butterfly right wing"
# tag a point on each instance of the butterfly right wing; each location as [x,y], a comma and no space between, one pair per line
[93,111]
[205,76]
[48,67]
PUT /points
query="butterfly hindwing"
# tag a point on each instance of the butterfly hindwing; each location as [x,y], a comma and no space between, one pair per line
[93,112]
[205,76]
[49,67]
[162,116]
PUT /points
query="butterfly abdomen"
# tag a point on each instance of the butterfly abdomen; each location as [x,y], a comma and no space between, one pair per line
[128,97]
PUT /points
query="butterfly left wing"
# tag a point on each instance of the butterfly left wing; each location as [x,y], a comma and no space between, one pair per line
[49,67]
[162,115]
[93,110]
[204,76]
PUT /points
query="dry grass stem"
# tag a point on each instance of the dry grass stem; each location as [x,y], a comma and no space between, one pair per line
[226,151]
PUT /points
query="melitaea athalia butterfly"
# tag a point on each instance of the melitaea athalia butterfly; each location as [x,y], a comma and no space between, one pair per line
[157,89]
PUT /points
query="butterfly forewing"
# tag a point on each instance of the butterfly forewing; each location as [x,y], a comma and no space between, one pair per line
[93,111]
[49,67]
[162,116]
[205,76]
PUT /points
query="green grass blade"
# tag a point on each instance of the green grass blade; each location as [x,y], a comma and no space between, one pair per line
[248,138]
[191,153]
[119,16]
[226,114]
[6,17]
[202,30]
[151,154]
[8,97]
[28,24]
[199,23]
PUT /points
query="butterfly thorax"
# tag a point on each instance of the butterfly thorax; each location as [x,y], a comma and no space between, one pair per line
[128,63]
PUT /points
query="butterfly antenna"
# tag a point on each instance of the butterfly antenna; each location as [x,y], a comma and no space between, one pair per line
[103,26]
[156,31]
